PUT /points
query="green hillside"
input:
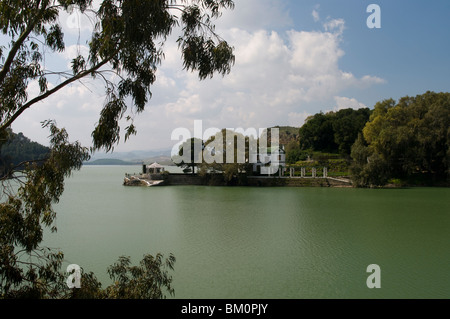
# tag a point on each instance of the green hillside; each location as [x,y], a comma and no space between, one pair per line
[17,148]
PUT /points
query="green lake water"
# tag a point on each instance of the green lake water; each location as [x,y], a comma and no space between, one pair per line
[261,243]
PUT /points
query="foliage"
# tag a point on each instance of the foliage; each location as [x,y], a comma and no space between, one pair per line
[190,154]
[287,134]
[338,167]
[125,49]
[17,149]
[317,133]
[223,155]
[25,268]
[347,125]
[333,132]
[328,137]
[128,39]
[141,282]
[405,140]
[149,280]
[335,167]
[294,153]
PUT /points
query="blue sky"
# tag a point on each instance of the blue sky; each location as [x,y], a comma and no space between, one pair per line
[410,51]
[293,59]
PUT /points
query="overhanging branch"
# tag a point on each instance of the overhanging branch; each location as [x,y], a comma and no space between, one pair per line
[50,92]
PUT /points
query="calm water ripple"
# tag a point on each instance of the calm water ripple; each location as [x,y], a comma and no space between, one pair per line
[262,242]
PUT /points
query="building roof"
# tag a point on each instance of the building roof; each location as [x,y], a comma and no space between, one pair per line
[278,149]
[155,165]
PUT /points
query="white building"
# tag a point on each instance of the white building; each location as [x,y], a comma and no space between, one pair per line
[270,162]
[155,168]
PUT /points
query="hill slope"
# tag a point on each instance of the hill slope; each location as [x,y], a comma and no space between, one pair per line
[19,148]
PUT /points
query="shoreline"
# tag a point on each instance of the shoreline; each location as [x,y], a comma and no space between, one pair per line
[161,180]
[174,179]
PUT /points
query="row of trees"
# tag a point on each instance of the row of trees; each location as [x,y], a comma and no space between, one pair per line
[225,154]
[406,141]
[229,156]
[333,132]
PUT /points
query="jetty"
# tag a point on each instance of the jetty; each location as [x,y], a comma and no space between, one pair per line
[155,175]
[152,175]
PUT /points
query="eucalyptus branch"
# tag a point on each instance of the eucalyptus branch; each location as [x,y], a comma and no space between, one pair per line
[17,44]
[182,9]
[127,40]
[52,91]
[10,173]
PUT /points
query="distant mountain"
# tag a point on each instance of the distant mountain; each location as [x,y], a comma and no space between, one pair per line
[163,160]
[133,156]
[162,157]
[109,162]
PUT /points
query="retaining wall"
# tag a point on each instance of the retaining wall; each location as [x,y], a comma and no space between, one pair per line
[185,179]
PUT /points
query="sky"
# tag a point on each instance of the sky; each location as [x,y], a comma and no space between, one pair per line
[294,58]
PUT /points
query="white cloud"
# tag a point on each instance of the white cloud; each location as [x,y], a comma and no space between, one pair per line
[298,119]
[76,23]
[316,15]
[280,78]
[74,50]
[75,107]
[369,80]
[335,25]
[165,81]
[315,53]
[347,103]
[275,78]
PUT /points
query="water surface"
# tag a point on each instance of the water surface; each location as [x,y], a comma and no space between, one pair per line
[261,242]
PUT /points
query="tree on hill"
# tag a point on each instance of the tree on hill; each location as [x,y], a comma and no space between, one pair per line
[287,134]
[127,41]
[17,149]
[333,132]
[408,140]
[190,154]
[347,124]
[227,153]
[318,134]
